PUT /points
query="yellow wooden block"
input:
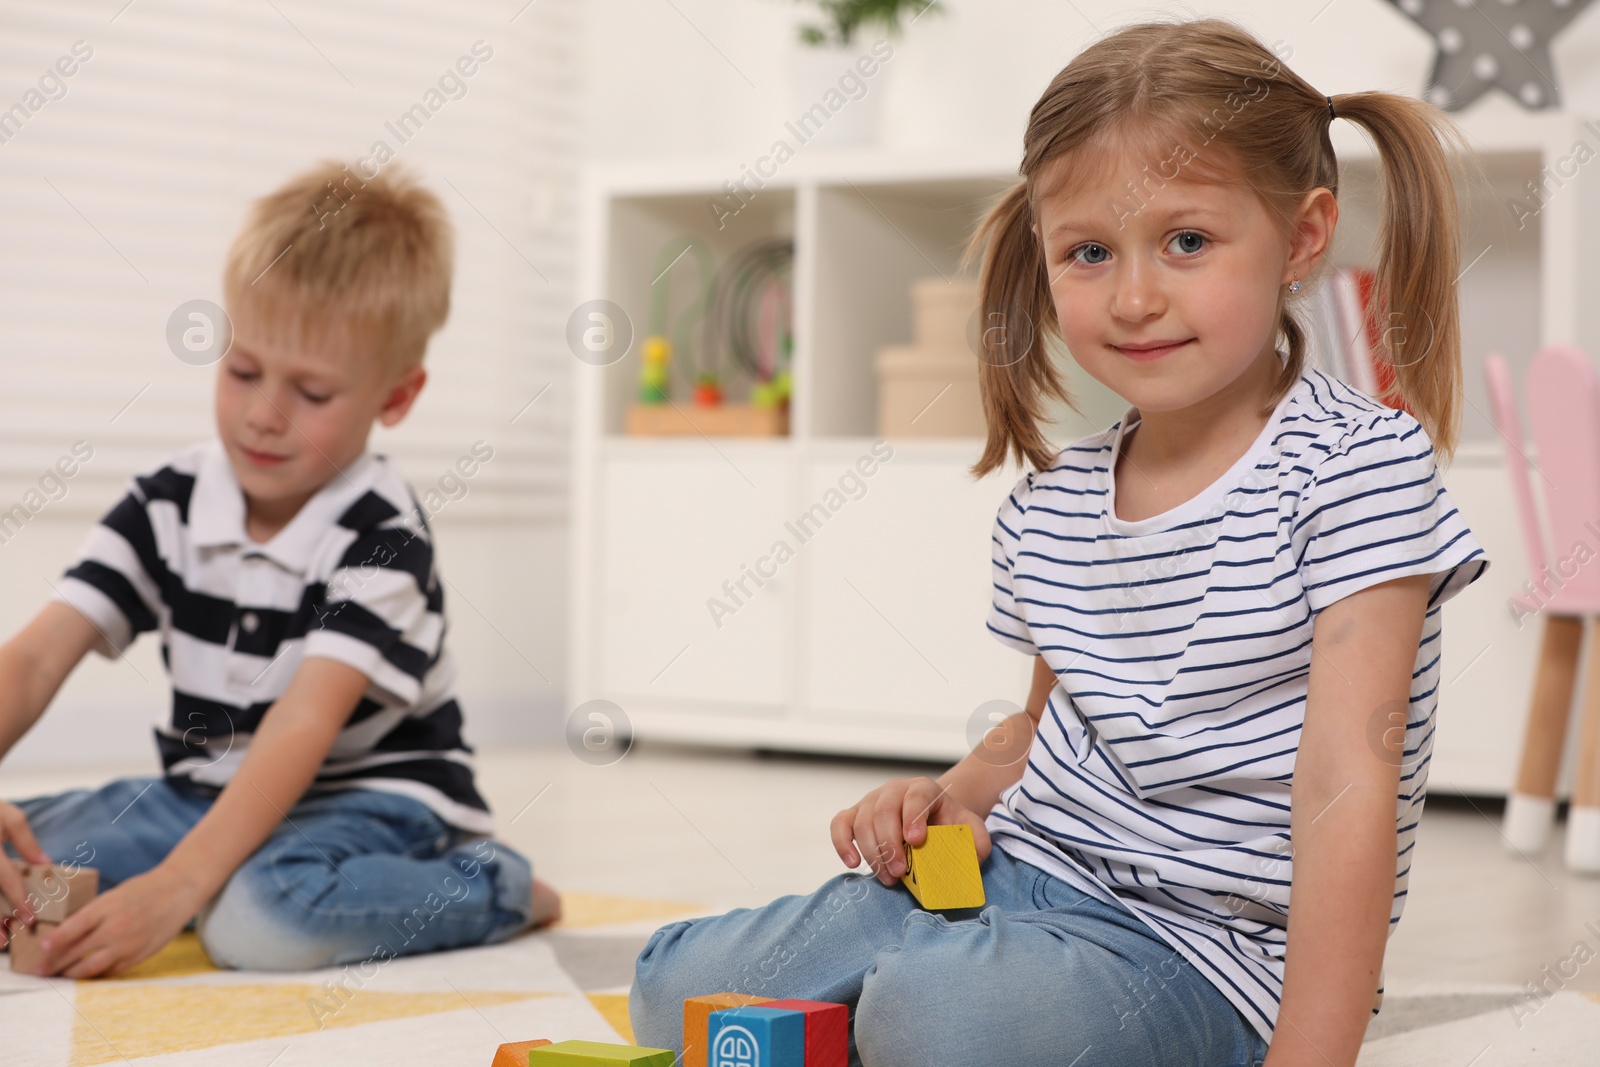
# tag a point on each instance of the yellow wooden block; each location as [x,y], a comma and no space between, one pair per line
[696,1021]
[942,872]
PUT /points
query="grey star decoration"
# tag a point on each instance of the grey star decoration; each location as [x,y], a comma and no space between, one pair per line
[1489,43]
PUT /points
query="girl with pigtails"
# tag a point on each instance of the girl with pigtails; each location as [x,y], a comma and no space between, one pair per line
[1231,596]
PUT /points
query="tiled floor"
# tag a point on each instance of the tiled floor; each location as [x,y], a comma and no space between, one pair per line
[726,828]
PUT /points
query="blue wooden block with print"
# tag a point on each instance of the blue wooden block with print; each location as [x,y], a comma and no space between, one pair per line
[756,1037]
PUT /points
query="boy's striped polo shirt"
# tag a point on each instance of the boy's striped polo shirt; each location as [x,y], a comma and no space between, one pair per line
[351,577]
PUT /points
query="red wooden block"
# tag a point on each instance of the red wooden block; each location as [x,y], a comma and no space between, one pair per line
[827,1030]
[515,1054]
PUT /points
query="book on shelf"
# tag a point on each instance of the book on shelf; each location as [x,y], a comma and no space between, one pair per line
[1344,339]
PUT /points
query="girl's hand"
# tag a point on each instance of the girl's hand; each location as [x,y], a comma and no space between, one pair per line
[121,927]
[897,814]
[14,831]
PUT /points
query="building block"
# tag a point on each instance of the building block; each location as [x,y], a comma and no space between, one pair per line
[696,1015]
[515,1054]
[595,1054]
[54,892]
[757,1037]
[827,1030]
[25,950]
[942,872]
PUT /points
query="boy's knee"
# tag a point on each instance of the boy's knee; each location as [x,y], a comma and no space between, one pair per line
[242,931]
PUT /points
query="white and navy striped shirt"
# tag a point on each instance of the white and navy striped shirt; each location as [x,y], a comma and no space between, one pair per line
[351,577]
[1181,643]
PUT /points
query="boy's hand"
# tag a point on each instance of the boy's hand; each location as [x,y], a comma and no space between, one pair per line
[14,831]
[120,927]
[897,814]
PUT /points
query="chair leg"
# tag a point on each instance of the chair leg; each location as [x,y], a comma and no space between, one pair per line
[1583,818]
[1530,809]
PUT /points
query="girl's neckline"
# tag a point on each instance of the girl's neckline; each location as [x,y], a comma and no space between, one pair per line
[1196,505]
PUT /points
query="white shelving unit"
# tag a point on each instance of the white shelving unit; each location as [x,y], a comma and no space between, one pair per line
[870,639]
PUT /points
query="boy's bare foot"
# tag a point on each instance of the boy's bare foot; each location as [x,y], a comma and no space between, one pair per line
[546,906]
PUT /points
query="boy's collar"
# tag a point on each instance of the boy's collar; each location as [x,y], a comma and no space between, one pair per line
[217,509]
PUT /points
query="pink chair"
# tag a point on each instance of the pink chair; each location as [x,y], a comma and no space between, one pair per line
[1563,393]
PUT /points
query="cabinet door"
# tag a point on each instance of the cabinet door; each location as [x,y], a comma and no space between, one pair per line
[897,589]
[1488,658]
[672,531]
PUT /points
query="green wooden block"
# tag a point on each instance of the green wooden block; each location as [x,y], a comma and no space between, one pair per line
[595,1054]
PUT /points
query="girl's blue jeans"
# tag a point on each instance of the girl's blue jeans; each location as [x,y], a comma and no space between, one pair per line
[347,877]
[1039,977]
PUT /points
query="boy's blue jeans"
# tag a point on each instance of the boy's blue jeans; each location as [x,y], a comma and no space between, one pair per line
[347,877]
[1039,977]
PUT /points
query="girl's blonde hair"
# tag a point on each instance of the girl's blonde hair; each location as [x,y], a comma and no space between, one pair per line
[1208,85]
[331,251]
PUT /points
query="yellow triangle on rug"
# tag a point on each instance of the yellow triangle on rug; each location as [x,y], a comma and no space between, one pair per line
[613,1007]
[580,910]
[179,957]
[117,1022]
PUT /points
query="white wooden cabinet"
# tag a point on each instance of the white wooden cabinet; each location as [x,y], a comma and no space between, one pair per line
[870,639]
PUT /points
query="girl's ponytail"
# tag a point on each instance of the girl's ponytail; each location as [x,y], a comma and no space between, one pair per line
[1016,314]
[1414,301]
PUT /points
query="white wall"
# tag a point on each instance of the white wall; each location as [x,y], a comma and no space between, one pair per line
[712,76]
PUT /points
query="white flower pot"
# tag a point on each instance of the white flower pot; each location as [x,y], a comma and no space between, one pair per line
[837,94]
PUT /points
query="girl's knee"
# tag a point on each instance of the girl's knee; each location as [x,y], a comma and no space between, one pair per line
[660,986]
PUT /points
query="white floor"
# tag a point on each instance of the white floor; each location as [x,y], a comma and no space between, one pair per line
[731,828]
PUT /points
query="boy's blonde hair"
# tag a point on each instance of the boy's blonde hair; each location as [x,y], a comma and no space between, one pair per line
[330,252]
[1241,115]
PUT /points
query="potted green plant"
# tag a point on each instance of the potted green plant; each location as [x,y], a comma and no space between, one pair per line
[840,72]
[843,19]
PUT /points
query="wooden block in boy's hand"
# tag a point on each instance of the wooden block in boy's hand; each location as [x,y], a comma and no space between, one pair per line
[696,1015]
[515,1054]
[54,892]
[25,950]
[594,1054]
[942,872]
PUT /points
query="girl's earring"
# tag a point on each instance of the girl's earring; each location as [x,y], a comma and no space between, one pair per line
[1294,286]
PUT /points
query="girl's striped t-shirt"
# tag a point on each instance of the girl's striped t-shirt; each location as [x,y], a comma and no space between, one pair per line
[1181,643]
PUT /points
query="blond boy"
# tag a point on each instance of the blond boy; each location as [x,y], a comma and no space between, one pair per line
[317,804]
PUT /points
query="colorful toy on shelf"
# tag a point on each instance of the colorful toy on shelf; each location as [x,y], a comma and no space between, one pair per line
[696,1020]
[53,893]
[515,1054]
[773,394]
[707,391]
[754,316]
[655,357]
[737,328]
[942,872]
[690,333]
[595,1054]
[743,1037]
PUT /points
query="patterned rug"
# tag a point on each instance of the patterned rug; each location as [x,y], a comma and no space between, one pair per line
[454,1008]
[436,1010]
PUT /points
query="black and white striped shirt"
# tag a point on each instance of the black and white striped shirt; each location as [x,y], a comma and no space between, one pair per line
[351,577]
[1181,643]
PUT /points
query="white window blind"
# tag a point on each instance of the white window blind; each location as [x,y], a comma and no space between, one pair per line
[122,189]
